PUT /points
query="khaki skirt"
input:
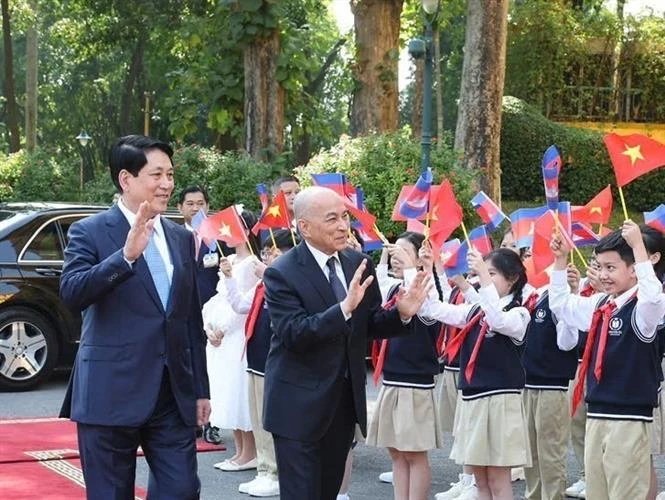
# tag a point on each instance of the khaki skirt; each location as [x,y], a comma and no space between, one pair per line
[491,431]
[405,419]
[657,431]
[446,397]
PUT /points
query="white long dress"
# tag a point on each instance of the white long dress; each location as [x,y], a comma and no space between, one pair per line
[227,366]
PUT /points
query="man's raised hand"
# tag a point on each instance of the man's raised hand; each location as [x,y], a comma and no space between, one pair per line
[356,289]
[140,233]
[409,300]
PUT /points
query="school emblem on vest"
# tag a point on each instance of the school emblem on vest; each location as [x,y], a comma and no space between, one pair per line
[615,326]
[540,315]
[489,333]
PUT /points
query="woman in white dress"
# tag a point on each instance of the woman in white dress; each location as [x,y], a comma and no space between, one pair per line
[226,364]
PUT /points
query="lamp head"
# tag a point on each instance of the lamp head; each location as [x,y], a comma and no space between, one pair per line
[430,6]
[83,138]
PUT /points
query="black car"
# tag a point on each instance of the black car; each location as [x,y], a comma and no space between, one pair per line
[37,331]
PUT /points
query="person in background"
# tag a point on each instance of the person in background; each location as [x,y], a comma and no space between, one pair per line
[290,185]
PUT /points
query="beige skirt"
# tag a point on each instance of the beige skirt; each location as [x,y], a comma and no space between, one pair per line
[657,429]
[491,431]
[446,397]
[405,419]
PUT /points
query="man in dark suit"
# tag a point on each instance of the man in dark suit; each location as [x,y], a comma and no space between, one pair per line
[323,301]
[140,373]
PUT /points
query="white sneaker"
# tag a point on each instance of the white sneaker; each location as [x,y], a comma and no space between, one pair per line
[517,474]
[465,481]
[576,489]
[386,477]
[469,493]
[661,496]
[245,487]
[267,487]
[343,496]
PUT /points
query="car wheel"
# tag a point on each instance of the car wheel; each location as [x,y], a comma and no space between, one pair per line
[28,349]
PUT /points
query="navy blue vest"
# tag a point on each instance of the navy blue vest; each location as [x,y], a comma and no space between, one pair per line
[498,366]
[628,388]
[546,366]
[259,345]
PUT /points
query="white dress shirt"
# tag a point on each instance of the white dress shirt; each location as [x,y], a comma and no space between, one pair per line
[322,260]
[578,311]
[160,238]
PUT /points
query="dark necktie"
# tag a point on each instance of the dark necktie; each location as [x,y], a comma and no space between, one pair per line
[335,283]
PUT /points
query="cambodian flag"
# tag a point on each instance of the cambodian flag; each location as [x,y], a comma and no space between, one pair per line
[656,219]
[448,249]
[415,204]
[583,235]
[488,211]
[337,182]
[523,222]
[551,168]
[564,213]
[263,196]
[365,223]
[457,263]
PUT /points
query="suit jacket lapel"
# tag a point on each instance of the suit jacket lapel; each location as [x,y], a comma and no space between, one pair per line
[173,245]
[348,266]
[119,227]
[314,274]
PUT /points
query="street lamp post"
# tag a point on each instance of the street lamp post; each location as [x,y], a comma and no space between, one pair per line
[83,139]
[423,48]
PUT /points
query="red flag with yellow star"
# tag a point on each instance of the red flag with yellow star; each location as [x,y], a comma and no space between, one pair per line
[444,212]
[276,216]
[597,211]
[633,155]
[225,226]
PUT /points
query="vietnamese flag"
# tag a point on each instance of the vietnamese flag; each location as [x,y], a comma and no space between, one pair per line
[536,279]
[597,211]
[543,229]
[445,214]
[276,216]
[225,226]
[633,155]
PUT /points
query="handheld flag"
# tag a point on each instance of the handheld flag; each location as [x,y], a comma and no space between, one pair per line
[534,278]
[523,222]
[457,263]
[551,167]
[448,249]
[197,220]
[656,219]
[597,211]
[276,216]
[337,182]
[633,155]
[583,235]
[263,196]
[415,204]
[489,212]
[445,213]
[225,226]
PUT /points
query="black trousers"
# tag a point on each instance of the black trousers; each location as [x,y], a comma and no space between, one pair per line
[314,470]
[108,455]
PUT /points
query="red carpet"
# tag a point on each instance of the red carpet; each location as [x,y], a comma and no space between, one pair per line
[31,439]
[39,460]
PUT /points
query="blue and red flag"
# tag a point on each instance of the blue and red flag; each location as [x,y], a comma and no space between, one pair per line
[489,212]
[457,263]
[551,168]
[564,213]
[337,182]
[656,219]
[448,249]
[263,196]
[365,222]
[523,222]
[197,220]
[583,235]
[416,203]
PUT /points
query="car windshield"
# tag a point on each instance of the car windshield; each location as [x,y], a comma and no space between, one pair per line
[9,217]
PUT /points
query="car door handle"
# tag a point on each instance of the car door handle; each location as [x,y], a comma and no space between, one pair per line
[48,271]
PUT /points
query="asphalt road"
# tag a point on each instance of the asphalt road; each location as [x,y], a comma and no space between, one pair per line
[216,485]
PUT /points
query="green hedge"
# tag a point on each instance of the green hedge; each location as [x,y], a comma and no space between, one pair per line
[381,164]
[526,134]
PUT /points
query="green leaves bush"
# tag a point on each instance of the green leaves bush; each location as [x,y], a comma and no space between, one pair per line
[526,134]
[381,164]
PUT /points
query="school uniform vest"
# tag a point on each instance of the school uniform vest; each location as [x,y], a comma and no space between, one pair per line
[498,366]
[259,345]
[412,360]
[546,366]
[628,388]
[447,331]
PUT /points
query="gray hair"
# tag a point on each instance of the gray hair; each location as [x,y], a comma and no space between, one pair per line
[306,198]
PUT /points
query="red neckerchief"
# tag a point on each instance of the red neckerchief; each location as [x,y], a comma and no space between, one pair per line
[447,331]
[253,314]
[471,365]
[379,352]
[455,344]
[587,290]
[531,301]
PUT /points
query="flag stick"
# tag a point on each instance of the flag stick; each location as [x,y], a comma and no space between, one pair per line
[293,237]
[560,229]
[427,226]
[600,230]
[219,247]
[466,234]
[383,239]
[623,204]
[272,237]
[572,258]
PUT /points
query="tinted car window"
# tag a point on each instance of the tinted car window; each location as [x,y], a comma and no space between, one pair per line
[45,245]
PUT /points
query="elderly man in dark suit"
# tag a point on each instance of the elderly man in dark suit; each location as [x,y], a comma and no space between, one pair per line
[140,373]
[323,301]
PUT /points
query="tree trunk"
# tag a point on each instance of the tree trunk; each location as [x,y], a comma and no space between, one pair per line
[438,88]
[264,99]
[615,100]
[417,109]
[12,112]
[477,136]
[135,68]
[31,89]
[376,96]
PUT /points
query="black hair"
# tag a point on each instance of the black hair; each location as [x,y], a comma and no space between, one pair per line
[510,265]
[358,238]
[128,153]
[283,239]
[276,186]
[249,220]
[654,242]
[192,189]
[417,239]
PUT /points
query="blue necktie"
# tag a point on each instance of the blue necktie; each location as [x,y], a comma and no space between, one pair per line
[335,283]
[158,270]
